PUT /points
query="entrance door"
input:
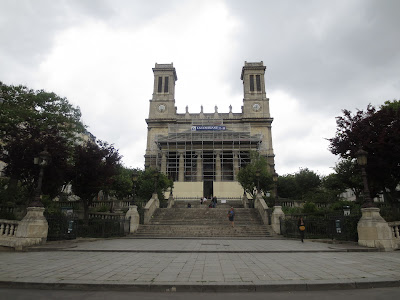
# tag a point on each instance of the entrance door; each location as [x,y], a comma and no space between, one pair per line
[208,189]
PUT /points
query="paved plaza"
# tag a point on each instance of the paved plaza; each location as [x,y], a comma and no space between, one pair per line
[199,265]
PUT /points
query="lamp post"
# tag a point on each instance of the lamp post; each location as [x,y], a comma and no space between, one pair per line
[362,161]
[134,180]
[43,160]
[275,179]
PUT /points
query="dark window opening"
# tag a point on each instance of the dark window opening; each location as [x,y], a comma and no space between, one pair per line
[258,83]
[251,83]
[166,84]
[159,90]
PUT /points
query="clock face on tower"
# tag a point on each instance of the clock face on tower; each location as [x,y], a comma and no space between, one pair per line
[256,107]
[161,108]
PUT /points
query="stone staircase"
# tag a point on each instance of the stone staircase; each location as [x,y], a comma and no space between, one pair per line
[199,221]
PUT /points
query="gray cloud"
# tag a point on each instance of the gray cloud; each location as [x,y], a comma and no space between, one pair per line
[326,53]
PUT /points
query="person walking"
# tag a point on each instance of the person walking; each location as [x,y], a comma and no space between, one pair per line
[302,228]
[231,215]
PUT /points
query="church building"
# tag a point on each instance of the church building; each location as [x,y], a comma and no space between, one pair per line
[203,152]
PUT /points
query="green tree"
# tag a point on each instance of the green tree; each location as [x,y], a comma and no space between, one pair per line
[307,182]
[287,187]
[30,121]
[151,180]
[247,176]
[348,173]
[95,165]
[122,183]
[378,133]
[300,185]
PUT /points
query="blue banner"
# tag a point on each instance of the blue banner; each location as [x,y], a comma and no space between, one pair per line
[208,127]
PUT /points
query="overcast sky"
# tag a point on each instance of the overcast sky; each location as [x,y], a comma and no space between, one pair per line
[321,57]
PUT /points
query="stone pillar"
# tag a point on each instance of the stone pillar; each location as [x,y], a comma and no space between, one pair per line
[33,225]
[164,163]
[134,221]
[374,231]
[235,165]
[275,220]
[199,166]
[181,176]
[218,175]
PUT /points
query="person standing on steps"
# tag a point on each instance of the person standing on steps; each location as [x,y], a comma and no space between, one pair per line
[302,228]
[231,214]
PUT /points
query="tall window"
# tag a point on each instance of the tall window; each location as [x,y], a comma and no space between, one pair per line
[166,84]
[258,83]
[251,83]
[159,89]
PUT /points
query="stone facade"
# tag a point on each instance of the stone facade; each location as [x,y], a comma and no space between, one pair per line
[203,152]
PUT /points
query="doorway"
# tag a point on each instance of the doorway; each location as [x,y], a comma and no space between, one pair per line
[208,190]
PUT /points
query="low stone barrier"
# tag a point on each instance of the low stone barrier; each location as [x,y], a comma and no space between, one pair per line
[395,226]
[31,230]
[262,208]
[8,228]
[150,208]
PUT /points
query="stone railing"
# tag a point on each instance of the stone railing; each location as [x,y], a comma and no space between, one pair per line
[8,228]
[150,208]
[31,230]
[77,205]
[106,216]
[262,208]
[395,226]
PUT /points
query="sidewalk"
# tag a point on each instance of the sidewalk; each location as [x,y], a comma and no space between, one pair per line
[199,265]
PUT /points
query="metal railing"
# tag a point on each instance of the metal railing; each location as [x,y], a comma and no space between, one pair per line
[337,227]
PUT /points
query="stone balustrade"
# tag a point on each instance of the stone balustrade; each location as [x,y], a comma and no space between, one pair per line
[8,228]
[106,216]
[395,226]
[31,230]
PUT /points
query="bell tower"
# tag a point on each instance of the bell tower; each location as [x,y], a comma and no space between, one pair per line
[162,105]
[255,101]
[162,110]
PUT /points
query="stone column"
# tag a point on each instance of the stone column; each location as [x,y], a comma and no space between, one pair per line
[235,165]
[164,163]
[199,166]
[181,176]
[218,174]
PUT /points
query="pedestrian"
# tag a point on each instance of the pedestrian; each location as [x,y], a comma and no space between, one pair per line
[302,227]
[231,214]
[215,201]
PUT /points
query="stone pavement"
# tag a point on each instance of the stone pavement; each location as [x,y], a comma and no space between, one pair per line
[199,265]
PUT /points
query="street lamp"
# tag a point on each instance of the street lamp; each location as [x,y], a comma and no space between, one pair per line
[134,180]
[43,160]
[362,161]
[275,179]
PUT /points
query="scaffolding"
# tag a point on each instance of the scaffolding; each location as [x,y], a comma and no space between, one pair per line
[205,155]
